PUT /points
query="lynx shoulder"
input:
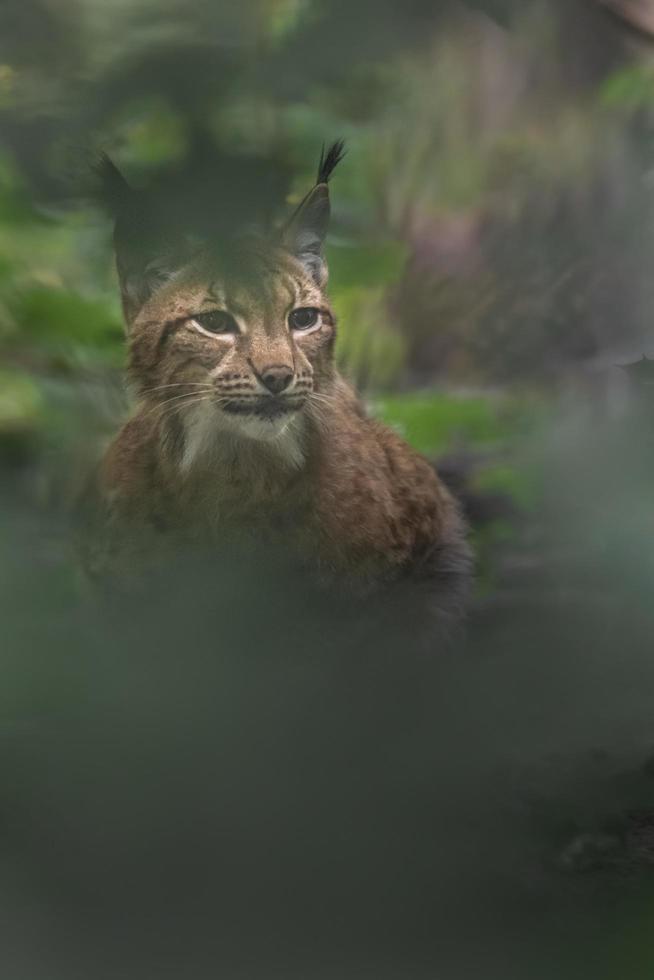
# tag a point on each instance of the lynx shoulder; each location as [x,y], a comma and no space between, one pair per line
[244,430]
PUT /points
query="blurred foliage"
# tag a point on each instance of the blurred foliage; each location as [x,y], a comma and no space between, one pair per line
[433,422]
[490,253]
[491,235]
[461,236]
[489,229]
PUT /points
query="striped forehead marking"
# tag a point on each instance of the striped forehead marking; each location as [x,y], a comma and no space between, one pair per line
[260,284]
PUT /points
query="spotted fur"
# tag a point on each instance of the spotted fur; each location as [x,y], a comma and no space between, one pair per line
[211,453]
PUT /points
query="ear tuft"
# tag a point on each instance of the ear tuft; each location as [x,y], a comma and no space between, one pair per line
[330,160]
[305,232]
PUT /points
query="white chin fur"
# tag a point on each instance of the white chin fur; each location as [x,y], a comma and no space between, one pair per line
[208,428]
[261,430]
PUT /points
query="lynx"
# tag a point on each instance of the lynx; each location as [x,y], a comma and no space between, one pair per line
[244,429]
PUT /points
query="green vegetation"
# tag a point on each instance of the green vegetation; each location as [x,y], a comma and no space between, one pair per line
[268,779]
[436,422]
[463,273]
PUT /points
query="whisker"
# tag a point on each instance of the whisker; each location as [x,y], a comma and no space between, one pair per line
[171,409]
[176,384]
[321,398]
[320,404]
[176,398]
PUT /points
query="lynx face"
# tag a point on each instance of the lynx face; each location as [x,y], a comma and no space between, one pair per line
[234,337]
[239,348]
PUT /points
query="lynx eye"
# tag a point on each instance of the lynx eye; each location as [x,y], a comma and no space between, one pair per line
[216,322]
[303,318]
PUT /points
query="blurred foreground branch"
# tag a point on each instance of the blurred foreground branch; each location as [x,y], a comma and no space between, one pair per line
[638,14]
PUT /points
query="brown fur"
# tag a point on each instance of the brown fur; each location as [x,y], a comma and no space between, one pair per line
[338,491]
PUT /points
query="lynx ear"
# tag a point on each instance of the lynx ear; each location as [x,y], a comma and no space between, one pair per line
[115,192]
[143,258]
[305,232]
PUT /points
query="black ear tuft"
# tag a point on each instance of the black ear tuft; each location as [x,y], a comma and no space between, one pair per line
[330,160]
[305,232]
[115,192]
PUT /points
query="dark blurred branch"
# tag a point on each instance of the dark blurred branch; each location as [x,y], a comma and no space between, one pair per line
[636,14]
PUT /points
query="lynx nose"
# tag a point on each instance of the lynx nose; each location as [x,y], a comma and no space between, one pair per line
[276,378]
